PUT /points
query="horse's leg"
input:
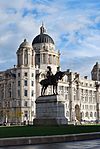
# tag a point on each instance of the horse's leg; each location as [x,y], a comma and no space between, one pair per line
[56,89]
[53,89]
[45,87]
[42,90]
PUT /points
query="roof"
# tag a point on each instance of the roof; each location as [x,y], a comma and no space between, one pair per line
[25,44]
[42,38]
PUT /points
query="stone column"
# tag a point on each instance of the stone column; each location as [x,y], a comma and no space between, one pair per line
[78,101]
[71,98]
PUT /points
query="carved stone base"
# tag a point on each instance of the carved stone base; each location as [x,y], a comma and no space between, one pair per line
[50,110]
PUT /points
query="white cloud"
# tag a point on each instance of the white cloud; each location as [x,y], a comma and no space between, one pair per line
[72,24]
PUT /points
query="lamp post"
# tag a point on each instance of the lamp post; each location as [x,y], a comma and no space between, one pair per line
[97,85]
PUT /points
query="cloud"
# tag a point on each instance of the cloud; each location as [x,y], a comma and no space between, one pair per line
[73,24]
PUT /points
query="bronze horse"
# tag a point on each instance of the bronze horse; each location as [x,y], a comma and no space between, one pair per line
[52,81]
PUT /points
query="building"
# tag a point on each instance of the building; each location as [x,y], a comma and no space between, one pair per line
[19,86]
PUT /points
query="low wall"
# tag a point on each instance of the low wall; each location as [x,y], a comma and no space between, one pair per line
[48,139]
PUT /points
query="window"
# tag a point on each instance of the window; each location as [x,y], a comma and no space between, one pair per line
[18,93]
[90,92]
[91,114]
[25,103]
[32,74]
[32,93]
[25,82]
[82,114]
[86,92]
[50,59]
[86,84]
[86,107]
[86,114]
[25,74]
[91,107]
[86,99]
[32,114]
[82,83]
[90,99]
[32,83]
[18,83]
[82,91]
[18,74]
[25,57]
[95,114]
[26,113]
[66,89]
[10,94]
[25,92]
[18,103]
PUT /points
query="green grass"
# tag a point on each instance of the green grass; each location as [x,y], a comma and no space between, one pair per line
[23,131]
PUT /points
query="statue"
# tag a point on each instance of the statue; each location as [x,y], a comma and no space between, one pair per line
[49,74]
[51,80]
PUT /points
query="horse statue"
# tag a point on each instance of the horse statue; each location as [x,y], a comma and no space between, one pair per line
[53,80]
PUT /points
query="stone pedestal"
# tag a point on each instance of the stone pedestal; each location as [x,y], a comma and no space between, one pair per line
[50,110]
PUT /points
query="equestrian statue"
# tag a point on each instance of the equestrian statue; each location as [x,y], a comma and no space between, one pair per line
[51,80]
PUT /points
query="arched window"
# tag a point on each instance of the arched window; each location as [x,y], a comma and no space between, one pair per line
[95,114]
[25,57]
[82,114]
[86,114]
[91,114]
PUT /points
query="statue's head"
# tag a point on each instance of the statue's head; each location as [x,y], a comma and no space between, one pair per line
[49,68]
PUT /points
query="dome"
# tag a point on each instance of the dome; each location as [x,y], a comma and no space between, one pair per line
[42,38]
[25,44]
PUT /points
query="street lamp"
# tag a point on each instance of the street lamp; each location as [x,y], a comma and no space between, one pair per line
[97,85]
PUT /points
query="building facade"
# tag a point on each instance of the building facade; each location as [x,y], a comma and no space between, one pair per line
[19,86]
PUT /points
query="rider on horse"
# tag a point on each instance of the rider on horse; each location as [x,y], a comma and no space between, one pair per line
[49,74]
[51,80]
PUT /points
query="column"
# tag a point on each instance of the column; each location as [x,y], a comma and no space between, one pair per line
[71,103]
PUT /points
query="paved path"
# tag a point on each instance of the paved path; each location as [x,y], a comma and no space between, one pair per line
[48,139]
[90,144]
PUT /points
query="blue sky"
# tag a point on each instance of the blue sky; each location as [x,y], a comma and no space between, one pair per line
[73,24]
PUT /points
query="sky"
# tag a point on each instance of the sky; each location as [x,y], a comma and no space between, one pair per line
[74,26]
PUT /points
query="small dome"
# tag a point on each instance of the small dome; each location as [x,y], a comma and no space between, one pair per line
[42,38]
[25,44]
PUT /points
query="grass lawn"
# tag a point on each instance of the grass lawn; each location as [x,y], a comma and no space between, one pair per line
[23,131]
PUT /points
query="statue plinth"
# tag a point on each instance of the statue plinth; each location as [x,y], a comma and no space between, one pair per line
[50,110]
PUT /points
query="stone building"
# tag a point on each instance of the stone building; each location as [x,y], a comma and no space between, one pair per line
[19,86]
